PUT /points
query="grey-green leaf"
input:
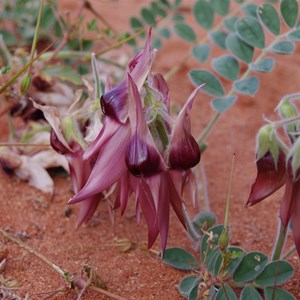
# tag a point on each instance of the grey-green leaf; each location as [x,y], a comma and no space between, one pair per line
[277,294]
[186,284]
[222,104]
[234,255]
[227,66]
[248,86]
[203,220]
[294,35]
[203,14]
[185,31]
[180,259]
[213,85]
[269,17]
[220,6]
[219,38]
[289,11]
[226,293]
[165,32]
[230,23]
[264,66]
[251,32]
[250,10]
[239,48]
[251,265]
[283,47]
[250,293]
[148,16]
[201,52]
[275,273]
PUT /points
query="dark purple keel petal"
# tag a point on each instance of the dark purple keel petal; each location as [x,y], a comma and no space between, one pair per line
[142,159]
[142,156]
[269,178]
[184,153]
[57,145]
[114,103]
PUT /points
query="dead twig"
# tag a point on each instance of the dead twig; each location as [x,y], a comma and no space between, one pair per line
[71,280]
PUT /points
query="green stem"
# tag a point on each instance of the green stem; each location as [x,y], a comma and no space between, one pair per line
[229,194]
[15,77]
[36,33]
[191,230]
[289,253]
[208,128]
[280,241]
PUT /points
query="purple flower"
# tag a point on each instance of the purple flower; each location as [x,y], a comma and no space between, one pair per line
[73,150]
[126,154]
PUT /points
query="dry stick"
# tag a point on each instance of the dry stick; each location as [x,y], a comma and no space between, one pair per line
[89,7]
[23,145]
[54,266]
[70,28]
[14,78]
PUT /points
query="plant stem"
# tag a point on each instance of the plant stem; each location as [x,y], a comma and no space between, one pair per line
[191,230]
[16,76]
[229,193]
[280,241]
[289,253]
[36,33]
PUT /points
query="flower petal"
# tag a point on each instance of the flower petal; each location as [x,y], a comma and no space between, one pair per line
[142,156]
[110,127]
[87,209]
[114,103]
[290,197]
[269,178]
[109,167]
[184,151]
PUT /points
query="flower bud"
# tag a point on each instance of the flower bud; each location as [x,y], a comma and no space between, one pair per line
[288,110]
[224,240]
[25,84]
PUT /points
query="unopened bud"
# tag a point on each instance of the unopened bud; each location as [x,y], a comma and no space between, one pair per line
[25,84]
[287,110]
[224,240]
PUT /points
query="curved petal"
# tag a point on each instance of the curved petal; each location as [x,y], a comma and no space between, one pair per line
[269,178]
[142,156]
[184,151]
[109,167]
[114,103]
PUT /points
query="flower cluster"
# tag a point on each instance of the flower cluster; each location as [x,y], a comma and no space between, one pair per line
[140,150]
[278,166]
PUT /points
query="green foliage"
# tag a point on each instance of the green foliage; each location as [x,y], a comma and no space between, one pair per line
[185,31]
[239,48]
[227,66]
[247,86]
[222,104]
[204,14]
[201,52]
[289,11]
[213,85]
[269,17]
[250,293]
[180,259]
[264,66]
